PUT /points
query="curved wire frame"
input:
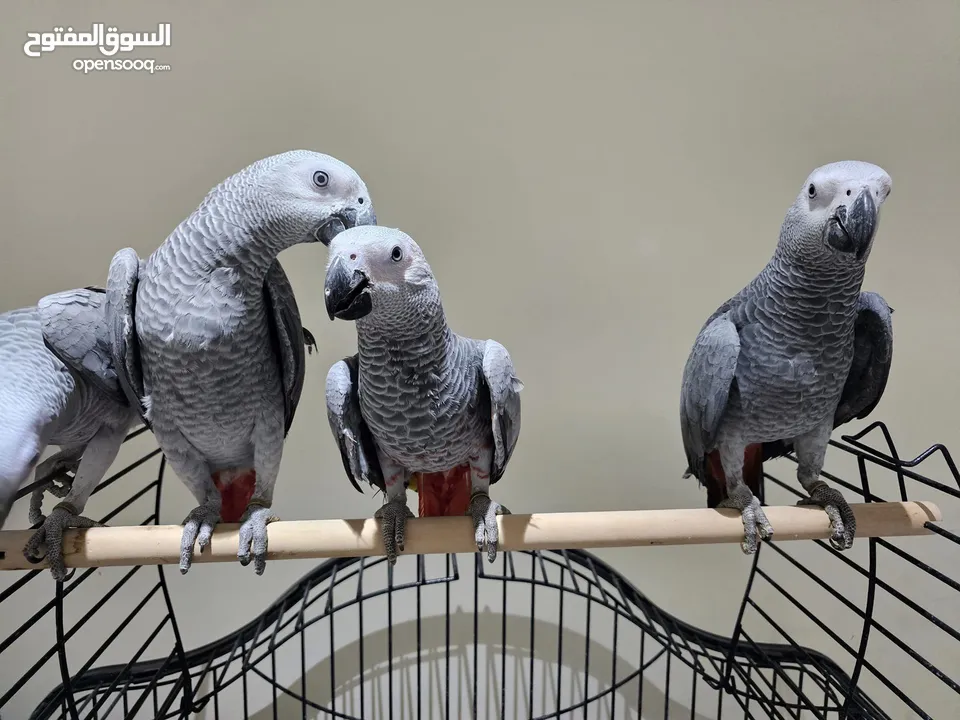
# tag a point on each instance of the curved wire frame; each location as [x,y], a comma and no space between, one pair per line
[581,636]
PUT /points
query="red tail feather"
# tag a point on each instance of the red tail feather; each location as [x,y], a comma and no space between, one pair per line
[444,493]
[236,489]
[716,481]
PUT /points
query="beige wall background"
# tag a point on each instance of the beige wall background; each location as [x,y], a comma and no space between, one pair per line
[589,181]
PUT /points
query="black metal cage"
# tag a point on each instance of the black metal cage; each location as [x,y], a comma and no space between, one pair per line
[535,635]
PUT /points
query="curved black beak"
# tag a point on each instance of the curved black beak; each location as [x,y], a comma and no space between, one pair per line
[340,221]
[852,231]
[326,231]
[344,292]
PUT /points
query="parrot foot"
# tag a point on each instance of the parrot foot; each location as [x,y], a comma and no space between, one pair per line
[197,526]
[56,477]
[50,534]
[484,512]
[755,524]
[253,536]
[843,524]
[393,524]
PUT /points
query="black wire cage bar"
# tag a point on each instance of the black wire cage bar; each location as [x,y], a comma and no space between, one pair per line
[551,634]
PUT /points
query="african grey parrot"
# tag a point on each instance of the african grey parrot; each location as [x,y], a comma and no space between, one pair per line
[208,339]
[417,399]
[797,352]
[58,386]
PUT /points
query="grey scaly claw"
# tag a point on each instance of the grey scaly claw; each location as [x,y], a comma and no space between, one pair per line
[393,517]
[50,534]
[197,526]
[253,536]
[55,476]
[843,523]
[58,487]
[58,467]
[484,512]
[756,527]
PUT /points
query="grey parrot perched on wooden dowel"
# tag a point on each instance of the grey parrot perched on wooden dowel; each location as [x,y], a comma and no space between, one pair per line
[796,353]
[417,400]
[208,339]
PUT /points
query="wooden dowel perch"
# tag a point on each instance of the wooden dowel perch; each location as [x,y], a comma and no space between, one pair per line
[302,539]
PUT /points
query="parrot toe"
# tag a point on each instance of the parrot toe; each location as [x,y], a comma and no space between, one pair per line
[57,467]
[484,512]
[756,527]
[393,524]
[253,536]
[197,527]
[843,523]
[55,476]
[50,534]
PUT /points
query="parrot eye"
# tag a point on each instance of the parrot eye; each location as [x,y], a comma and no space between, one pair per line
[812,190]
[397,253]
[320,178]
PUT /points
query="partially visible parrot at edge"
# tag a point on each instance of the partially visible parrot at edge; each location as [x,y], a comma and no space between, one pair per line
[58,386]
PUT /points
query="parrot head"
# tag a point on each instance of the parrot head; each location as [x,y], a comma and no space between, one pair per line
[375,269]
[835,217]
[305,195]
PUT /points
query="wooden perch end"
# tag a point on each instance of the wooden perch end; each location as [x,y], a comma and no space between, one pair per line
[304,539]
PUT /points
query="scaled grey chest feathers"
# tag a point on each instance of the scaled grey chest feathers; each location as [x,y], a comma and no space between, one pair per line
[421,402]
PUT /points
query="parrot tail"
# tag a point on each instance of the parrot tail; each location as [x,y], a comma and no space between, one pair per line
[444,493]
[716,481]
[236,490]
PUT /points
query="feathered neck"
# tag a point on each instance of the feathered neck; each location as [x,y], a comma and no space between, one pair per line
[412,324]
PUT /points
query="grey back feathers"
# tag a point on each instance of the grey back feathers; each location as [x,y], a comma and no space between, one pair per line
[872,359]
[356,444]
[121,300]
[287,338]
[75,330]
[502,389]
[708,377]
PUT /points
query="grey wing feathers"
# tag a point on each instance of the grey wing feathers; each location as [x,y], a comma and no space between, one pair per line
[503,386]
[873,356]
[121,299]
[75,330]
[357,449]
[707,379]
[288,337]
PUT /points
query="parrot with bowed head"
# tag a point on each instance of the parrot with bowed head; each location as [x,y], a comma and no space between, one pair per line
[796,353]
[417,400]
[58,386]
[208,339]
